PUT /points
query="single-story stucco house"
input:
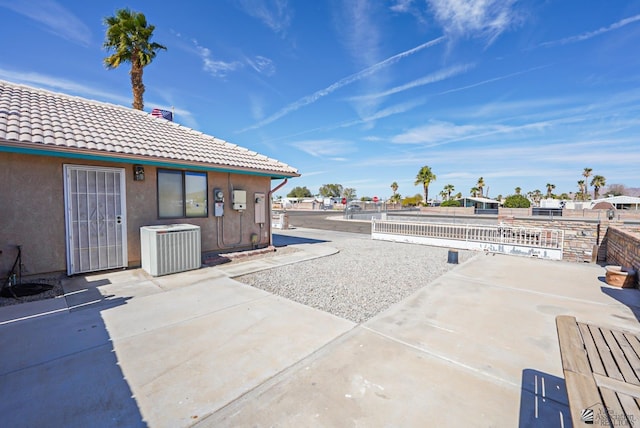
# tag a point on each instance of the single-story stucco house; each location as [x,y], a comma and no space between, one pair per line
[479,203]
[79,178]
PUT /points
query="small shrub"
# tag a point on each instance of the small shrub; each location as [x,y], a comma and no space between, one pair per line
[450,203]
[516,201]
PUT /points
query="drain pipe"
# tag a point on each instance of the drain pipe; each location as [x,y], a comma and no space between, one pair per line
[271,192]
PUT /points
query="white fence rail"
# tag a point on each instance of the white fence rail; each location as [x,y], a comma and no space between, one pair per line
[543,243]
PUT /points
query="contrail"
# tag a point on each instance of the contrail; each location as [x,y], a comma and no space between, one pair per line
[309,99]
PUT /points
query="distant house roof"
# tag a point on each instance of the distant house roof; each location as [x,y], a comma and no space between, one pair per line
[618,200]
[478,199]
[47,123]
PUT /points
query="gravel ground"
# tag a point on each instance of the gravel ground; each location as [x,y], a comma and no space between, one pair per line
[362,280]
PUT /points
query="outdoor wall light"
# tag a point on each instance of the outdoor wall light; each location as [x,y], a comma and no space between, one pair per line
[138,173]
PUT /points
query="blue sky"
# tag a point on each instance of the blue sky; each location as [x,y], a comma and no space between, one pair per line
[364,93]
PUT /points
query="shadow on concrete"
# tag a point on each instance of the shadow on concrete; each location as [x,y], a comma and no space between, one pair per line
[627,296]
[62,370]
[543,400]
[283,240]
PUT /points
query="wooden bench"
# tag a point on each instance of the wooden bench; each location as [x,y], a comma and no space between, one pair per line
[602,373]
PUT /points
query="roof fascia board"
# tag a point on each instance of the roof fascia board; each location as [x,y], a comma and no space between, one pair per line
[135,160]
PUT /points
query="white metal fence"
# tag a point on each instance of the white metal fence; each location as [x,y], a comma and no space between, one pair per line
[544,243]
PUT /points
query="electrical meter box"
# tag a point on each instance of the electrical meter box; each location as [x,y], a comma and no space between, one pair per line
[260,208]
[218,203]
[239,200]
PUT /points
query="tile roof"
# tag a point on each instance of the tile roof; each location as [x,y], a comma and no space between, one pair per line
[38,119]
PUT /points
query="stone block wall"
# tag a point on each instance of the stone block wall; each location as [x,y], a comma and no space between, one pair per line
[580,237]
[623,248]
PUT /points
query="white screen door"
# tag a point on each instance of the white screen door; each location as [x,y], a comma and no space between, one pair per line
[95,208]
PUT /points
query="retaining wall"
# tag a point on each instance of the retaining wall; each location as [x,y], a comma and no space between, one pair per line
[623,248]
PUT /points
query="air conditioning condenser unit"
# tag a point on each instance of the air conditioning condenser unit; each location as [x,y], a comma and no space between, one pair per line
[170,248]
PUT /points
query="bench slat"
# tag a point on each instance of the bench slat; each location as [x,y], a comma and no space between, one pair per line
[617,385]
[590,346]
[572,350]
[610,400]
[620,356]
[583,394]
[631,411]
[605,353]
[635,345]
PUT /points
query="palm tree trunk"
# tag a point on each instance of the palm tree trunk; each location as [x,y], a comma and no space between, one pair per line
[137,85]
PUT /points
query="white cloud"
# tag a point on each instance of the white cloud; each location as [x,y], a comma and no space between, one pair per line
[309,99]
[591,34]
[476,18]
[437,76]
[275,14]
[217,68]
[402,6]
[262,65]
[325,148]
[214,67]
[64,85]
[54,17]
[437,132]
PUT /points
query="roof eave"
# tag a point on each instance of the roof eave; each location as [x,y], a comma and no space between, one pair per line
[119,157]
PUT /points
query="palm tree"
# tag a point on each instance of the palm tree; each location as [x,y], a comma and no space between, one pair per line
[480,186]
[128,35]
[394,187]
[581,187]
[586,174]
[597,182]
[425,177]
[518,190]
[474,191]
[550,188]
[449,188]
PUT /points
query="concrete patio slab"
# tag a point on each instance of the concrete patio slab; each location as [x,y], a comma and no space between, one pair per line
[186,371]
[365,379]
[476,347]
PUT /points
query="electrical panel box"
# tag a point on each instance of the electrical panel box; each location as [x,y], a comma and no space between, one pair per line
[218,203]
[239,200]
[260,208]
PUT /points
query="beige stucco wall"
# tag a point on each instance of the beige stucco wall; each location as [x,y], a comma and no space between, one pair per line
[32,211]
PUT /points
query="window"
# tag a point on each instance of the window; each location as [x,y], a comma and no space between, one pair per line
[182,194]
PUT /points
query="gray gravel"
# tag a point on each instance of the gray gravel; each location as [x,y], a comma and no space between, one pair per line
[362,280]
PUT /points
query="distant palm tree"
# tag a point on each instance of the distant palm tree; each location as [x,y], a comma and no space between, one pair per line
[537,195]
[586,173]
[550,188]
[474,191]
[129,36]
[443,195]
[425,177]
[518,190]
[597,182]
[394,187]
[582,191]
[480,186]
[449,188]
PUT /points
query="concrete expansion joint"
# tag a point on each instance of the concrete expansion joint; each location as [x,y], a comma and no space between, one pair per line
[491,377]
[276,377]
[59,358]
[538,293]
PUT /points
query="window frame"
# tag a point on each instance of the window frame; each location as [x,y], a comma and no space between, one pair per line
[183,174]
